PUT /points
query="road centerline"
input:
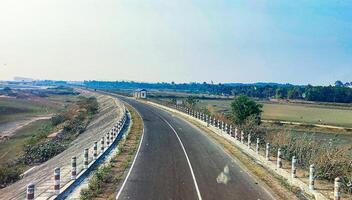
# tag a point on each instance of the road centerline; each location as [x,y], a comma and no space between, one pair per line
[186,155]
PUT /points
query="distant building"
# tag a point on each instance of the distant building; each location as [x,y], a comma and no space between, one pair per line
[179,102]
[140,94]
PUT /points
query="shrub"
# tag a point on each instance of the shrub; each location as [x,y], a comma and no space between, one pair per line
[40,153]
[9,175]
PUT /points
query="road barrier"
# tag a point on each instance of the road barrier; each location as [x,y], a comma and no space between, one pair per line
[57,180]
[59,189]
[221,129]
[30,192]
[74,168]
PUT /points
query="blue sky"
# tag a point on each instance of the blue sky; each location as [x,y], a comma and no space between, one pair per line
[298,41]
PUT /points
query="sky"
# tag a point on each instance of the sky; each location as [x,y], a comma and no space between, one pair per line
[285,41]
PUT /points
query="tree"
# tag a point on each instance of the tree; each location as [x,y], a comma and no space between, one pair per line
[338,83]
[191,101]
[293,93]
[244,108]
[281,93]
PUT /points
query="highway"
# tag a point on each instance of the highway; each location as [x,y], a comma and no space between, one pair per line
[177,161]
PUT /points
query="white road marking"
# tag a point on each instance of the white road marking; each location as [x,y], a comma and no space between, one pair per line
[134,160]
[189,163]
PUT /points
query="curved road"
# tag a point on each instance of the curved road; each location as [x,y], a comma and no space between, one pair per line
[177,161]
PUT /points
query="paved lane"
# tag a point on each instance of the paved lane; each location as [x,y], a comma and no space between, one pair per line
[161,170]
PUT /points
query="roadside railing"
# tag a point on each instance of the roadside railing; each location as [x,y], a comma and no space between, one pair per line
[66,178]
[244,142]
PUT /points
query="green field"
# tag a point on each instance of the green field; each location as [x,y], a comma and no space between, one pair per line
[295,112]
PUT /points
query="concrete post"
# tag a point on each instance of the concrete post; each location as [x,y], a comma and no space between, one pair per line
[311,177]
[30,192]
[242,137]
[236,132]
[86,161]
[249,140]
[95,150]
[257,146]
[111,137]
[337,188]
[267,151]
[102,145]
[231,130]
[57,181]
[222,126]
[218,124]
[107,140]
[279,158]
[294,167]
[226,128]
[114,131]
[73,168]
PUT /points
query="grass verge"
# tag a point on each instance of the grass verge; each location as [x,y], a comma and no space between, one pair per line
[104,181]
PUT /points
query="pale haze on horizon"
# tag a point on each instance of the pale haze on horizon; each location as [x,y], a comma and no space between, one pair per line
[296,42]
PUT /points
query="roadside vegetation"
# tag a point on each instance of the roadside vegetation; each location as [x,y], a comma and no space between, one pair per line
[103,183]
[331,160]
[339,93]
[41,140]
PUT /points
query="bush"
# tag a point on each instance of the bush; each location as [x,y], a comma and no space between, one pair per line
[57,119]
[331,161]
[96,182]
[9,175]
[40,153]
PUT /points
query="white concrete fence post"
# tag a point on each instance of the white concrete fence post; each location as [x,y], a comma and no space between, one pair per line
[236,132]
[73,168]
[102,145]
[95,150]
[279,158]
[294,167]
[267,151]
[107,140]
[242,137]
[86,159]
[249,140]
[257,146]
[111,137]
[30,192]
[57,181]
[231,130]
[311,176]
[337,188]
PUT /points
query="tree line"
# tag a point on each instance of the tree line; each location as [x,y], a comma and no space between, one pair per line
[337,93]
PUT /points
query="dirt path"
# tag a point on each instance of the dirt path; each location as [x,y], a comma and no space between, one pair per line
[305,124]
[110,110]
[8,129]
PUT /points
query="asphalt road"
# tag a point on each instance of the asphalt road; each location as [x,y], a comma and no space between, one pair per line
[177,161]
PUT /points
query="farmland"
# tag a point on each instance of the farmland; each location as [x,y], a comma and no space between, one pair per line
[334,115]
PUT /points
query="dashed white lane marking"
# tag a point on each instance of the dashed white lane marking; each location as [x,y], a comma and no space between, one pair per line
[184,151]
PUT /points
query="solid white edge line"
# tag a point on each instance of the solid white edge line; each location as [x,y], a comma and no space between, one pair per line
[134,160]
[188,161]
